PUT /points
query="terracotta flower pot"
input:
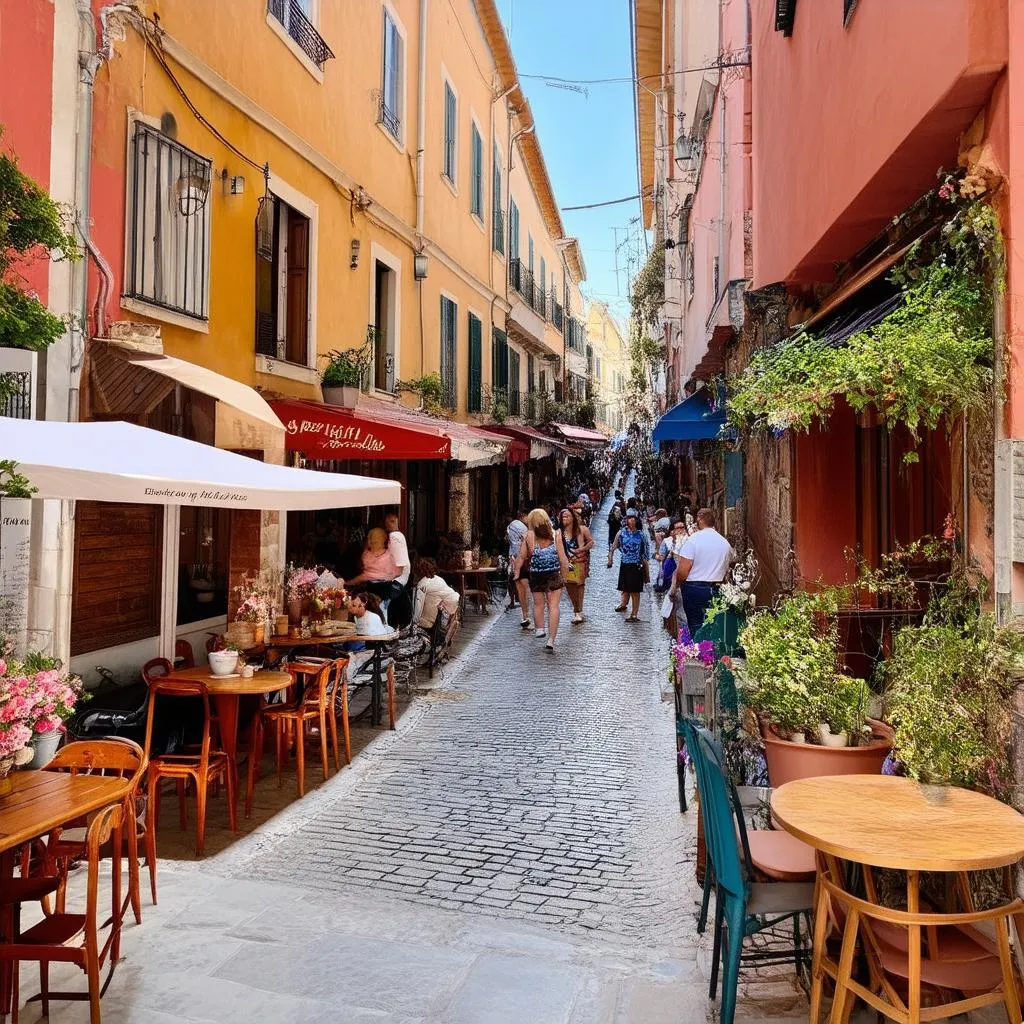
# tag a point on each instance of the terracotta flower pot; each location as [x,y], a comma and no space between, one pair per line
[789,761]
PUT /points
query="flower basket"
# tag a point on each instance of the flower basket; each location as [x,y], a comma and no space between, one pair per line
[241,634]
[6,764]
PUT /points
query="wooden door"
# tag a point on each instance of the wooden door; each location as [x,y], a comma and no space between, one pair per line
[297,322]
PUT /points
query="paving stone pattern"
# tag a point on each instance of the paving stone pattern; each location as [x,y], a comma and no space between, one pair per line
[535,785]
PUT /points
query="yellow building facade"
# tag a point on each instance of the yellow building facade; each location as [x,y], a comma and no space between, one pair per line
[374,178]
[610,365]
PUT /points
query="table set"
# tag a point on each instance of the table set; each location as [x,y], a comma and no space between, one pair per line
[472,583]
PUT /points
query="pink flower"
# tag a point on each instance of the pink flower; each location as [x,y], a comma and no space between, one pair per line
[3,667]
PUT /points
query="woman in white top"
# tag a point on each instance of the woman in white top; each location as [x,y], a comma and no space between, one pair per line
[432,594]
[364,608]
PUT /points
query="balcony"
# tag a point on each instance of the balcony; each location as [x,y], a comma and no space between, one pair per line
[522,280]
[389,119]
[557,314]
[498,220]
[296,23]
[576,335]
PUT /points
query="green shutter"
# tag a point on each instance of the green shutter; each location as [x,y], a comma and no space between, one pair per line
[449,312]
[499,360]
[476,360]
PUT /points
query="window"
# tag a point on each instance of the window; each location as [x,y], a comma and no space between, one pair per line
[513,231]
[451,128]
[498,209]
[392,90]
[299,18]
[474,403]
[513,382]
[499,360]
[476,185]
[597,367]
[848,8]
[282,282]
[785,15]
[529,252]
[529,371]
[449,329]
[543,277]
[383,330]
[169,225]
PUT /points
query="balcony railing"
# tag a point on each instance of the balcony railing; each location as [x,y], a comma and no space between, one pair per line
[522,280]
[514,402]
[290,14]
[389,119]
[557,315]
[498,220]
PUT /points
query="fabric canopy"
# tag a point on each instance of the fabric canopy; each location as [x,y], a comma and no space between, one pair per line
[580,435]
[330,432]
[537,445]
[117,461]
[693,419]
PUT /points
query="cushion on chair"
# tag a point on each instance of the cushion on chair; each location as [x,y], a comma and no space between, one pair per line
[780,898]
[781,856]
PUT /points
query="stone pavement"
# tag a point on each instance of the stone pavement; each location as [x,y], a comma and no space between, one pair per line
[514,852]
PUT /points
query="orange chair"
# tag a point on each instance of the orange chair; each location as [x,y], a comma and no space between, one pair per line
[200,768]
[74,938]
[338,701]
[312,707]
[156,668]
[115,757]
[183,652]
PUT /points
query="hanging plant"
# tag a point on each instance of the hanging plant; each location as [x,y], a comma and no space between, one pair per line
[929,360]
[647,294]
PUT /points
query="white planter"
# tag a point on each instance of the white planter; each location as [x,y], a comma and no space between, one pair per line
[44,746]
[223,663]
[832,739]
[347,396]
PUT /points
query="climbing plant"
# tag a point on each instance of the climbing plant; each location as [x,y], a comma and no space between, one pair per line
[32,226]
[929,360]
[647,294]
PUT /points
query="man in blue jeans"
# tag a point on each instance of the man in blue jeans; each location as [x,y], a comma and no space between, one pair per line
[702,563]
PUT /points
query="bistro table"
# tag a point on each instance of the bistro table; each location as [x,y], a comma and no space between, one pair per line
[480,579]
[227,692]
[882,821]
[33,804]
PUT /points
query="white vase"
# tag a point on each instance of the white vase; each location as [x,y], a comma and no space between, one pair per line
[832,739]
[44,746]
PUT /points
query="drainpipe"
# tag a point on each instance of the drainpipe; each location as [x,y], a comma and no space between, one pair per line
[723,274]
[421,145]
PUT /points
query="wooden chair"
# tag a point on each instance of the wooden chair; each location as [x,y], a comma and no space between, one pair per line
[338,703]
[200,768]
[183,652]
[114,757]
[909,951]
[156,668]
[311,707]
[441,639]
[74,938]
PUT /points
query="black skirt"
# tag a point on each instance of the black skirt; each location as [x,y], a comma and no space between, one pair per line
[631,579]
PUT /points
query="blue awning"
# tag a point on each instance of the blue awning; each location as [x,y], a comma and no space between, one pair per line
[692,420]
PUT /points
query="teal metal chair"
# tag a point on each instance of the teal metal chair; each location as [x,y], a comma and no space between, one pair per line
[743,906]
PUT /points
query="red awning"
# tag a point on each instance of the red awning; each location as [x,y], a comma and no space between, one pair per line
[580,435]
[330,432]
[538,445]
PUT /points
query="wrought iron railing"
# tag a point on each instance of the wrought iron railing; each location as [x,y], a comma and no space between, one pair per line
[557,315]
[498,220]
[514,401]
[16,388]
[389,119]
[291,15]
[522,280]
[168,224]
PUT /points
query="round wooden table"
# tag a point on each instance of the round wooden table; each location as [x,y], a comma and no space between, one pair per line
[227,692]
[481,590]
[890,822]
[882,821]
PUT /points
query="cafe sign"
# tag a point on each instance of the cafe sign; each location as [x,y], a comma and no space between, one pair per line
[331,433]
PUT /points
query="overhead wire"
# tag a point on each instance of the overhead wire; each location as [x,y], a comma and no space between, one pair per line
[607,202]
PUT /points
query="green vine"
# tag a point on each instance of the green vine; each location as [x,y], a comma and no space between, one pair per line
[31,227]
[929,360]
[429,387]
[647,294]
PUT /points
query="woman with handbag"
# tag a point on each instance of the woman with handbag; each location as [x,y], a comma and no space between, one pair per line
[634,551]
[577,541]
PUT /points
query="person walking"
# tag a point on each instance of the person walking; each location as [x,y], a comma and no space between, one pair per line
[634,553]
[701,565]
[517,587]
[614,521]
[544,553]
[577,541]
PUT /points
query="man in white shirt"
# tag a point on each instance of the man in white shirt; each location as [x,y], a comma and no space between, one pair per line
[516,534]
[398,546]
[702,563]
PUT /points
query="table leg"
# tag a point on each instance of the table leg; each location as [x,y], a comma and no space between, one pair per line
[227,714]
[6,935]
[818,949]
[375,688]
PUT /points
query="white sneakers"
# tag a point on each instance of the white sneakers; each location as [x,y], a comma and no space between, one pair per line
[540,632]
[577,617]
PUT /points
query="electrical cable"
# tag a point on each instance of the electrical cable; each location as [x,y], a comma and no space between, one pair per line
[607,202]
[716,66]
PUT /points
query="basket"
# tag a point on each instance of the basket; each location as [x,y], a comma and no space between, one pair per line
[241,634]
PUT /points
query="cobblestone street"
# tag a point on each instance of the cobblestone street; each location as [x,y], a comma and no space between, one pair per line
[514,852]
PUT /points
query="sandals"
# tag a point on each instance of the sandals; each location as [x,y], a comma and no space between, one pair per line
[632,618]
[621,608]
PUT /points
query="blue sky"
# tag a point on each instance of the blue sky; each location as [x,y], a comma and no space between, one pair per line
[588,141]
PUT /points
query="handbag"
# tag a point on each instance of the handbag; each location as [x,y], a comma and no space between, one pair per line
[575,573]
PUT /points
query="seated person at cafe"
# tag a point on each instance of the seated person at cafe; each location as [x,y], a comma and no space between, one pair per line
[364,608]
[380,573]
[432,594]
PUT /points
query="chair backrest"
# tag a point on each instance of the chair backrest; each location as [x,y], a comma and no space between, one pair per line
[720,817]
[116,757]
[156,668]
[338,677]
[183,652]
[453,628]
[315,693]
[100,828]
[179,688]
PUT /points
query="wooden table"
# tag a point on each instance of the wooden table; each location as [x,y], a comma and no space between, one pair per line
[227,692]
[377,643]
[882,821]
[482,590]
[33,804]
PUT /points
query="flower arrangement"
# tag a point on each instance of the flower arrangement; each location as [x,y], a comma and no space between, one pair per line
[687,649]
[327,600]
[300,583]
[255,596]
[33,703]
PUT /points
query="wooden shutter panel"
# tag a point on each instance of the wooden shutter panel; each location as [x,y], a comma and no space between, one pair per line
[475,364]
[297,325]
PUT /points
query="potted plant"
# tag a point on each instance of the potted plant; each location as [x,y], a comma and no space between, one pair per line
[224,657]
[255,597]
[429,388]
[342,377]
[791,678]
[298,588]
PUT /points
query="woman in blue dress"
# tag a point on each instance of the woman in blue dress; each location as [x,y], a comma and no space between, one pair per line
[634,553]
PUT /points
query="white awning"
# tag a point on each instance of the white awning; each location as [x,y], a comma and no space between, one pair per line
[117,461]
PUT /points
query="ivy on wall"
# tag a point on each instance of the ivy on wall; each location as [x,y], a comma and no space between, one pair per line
[929,360]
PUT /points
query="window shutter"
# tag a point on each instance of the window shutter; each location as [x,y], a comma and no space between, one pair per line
[449,311]
[499,360]
[475,364]
[450,124]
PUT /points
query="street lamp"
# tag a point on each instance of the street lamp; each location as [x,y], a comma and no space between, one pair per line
[686,150]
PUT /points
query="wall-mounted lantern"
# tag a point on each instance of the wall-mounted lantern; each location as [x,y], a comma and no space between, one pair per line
[354,253]
[420,264]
